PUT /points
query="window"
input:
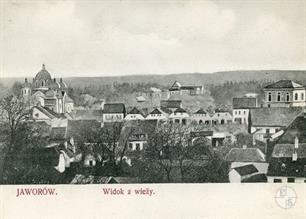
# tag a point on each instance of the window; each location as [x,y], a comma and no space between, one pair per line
[287,97]
[137,146]
[296,96]
[244,112]
[130,145]
[91,163]
[200,122]
[291,180]
[239,112]
[302,96]
[278,96]
[222,121]
[184,121]
[36,115]
[277,180]
[269,96]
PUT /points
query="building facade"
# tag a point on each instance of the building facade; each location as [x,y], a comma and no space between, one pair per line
[285,93]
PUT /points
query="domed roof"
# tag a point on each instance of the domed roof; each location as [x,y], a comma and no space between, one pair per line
[43,74]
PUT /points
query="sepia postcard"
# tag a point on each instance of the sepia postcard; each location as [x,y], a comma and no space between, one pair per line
[153,109]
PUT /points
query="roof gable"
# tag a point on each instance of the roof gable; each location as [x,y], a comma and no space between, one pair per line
[296,129]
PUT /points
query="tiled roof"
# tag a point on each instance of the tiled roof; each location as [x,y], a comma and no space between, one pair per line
[284,84]
[200,111]
[274,116]
[180,110]
[260,177]
[48,112]
[245,155]
[296,129]
[135,111]
[88,115]
[287,168]
[287,150]
[114,108]
[156,111]
[246,170]
[244,102]
[82,179]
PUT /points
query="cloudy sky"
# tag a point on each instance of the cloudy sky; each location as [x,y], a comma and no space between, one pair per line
[103,38]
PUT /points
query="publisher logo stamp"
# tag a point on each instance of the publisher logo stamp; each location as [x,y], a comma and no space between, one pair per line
[285,197]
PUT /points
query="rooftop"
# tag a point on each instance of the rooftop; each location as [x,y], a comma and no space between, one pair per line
[274,116]
[287,150]
[246,170]
[244,102]
[245,155]
[114,108]
[284,84]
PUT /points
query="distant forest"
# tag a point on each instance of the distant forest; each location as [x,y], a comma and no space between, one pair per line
[220,87]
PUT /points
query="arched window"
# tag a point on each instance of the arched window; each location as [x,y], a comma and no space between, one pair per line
[278,96]
[296,96]
[269,96]
[287,97]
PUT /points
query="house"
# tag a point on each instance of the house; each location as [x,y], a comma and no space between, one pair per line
[159,114]
[285,93]
[201,117]
[50,93]
[288,163]
[219,138]
[44,114]
[135,114]
[221,117]
[241,109]
[200,135]
[241,173]
[113,112]
[238,157]
[64,153]
[265,122]
[178,89]
[179,116]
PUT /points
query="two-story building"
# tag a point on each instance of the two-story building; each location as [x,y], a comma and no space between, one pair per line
[113,112]
[241,109]
[201,117]
[221,117]
[178,89]
[285,93]
[135,114]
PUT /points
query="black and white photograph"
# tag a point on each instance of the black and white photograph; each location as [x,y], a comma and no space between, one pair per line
[205,92]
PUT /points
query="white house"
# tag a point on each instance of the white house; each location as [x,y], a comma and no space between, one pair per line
[241,109]
[113,112]
[135,114]
[238,157]
[221,117]
[202,117]
[239,174]
[158,114]
[179,116]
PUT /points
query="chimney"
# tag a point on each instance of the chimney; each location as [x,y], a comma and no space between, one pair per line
[244,147]
[296,143]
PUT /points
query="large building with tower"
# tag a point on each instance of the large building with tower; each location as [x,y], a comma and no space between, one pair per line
[47,92]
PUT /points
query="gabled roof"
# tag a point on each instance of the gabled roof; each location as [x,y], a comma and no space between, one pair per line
[296,129]
[200,111]
[68,99]
[156,111]
[287,150]
[48,112]
[176,86]
[136,111]
[244,102]
[245,155]
[166,110]
[274,116]
[114,108]
[284,84]
[246,170]
[180,110]
[260,177]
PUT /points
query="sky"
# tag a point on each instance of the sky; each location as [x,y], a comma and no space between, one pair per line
[106,38]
